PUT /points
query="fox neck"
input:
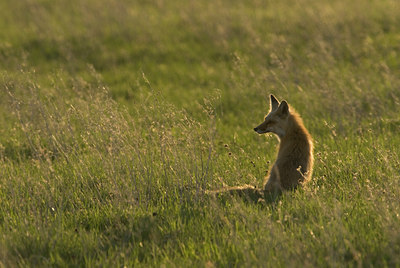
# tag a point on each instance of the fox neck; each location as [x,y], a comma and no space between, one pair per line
[295,131]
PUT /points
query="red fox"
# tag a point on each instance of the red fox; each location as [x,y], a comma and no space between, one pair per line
[294,163]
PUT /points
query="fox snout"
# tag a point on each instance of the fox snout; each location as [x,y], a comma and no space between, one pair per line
[259,130]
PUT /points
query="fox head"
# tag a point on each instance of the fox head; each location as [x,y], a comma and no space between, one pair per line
[276,121]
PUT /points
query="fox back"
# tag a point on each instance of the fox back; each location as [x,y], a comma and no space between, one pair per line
[294,163]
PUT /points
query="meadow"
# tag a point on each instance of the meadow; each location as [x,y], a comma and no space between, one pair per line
[117,116]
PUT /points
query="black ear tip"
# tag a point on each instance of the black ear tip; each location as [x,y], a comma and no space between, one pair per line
[273,99]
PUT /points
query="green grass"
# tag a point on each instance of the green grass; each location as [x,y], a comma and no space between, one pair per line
[116,116]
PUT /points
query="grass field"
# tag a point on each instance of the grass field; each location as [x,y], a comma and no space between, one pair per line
[116,116]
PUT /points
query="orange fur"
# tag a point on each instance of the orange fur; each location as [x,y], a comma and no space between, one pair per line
[294,163]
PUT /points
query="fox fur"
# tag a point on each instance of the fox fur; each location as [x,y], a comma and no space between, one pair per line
[294,163]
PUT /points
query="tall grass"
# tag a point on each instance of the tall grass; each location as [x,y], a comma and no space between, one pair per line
[117,116]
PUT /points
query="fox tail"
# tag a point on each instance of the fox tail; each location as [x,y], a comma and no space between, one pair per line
[247,192]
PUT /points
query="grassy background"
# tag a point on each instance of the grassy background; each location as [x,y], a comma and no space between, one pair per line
[115,116]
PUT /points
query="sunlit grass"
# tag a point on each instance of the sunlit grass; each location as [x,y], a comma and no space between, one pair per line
[116,117]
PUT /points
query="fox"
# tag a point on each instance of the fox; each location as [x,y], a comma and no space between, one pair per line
[294,163]
[295,160]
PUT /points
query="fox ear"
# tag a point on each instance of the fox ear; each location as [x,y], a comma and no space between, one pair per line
[274,103]
[283,108]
